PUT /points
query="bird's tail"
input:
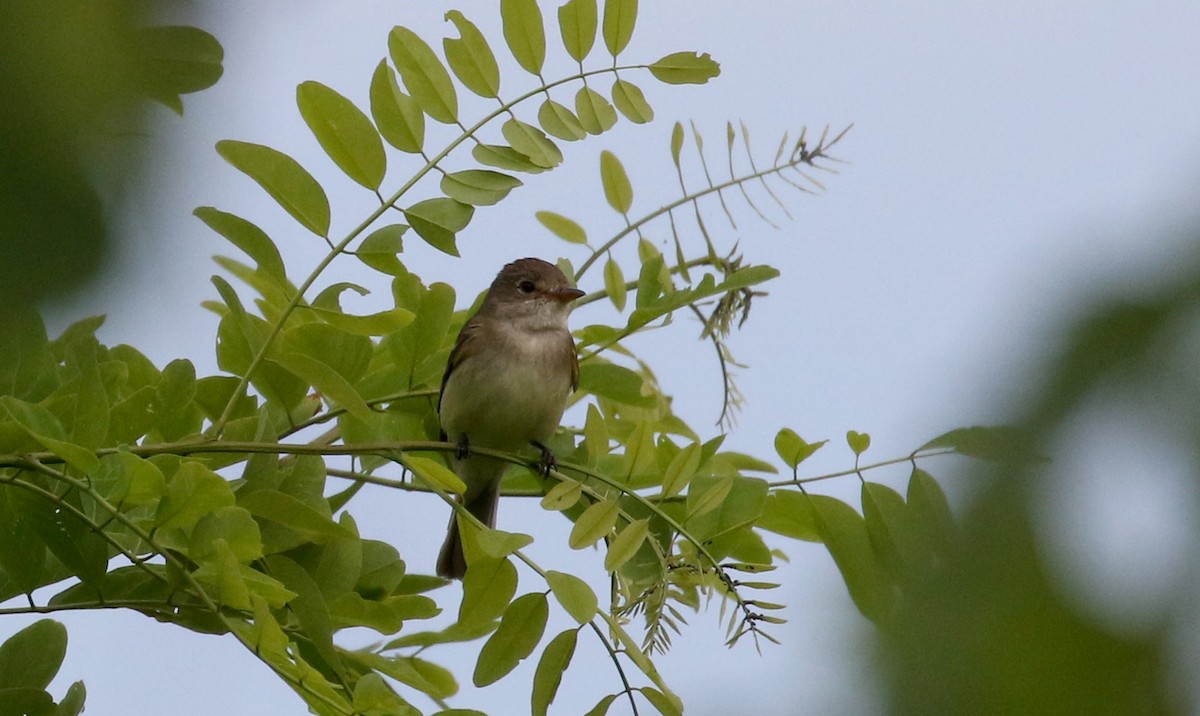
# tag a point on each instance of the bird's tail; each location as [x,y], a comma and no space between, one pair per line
[481,503]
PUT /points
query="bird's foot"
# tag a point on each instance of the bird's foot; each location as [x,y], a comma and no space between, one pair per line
[464,447]
[548,461]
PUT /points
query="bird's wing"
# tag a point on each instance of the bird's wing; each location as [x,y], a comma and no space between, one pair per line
[464,347]
[569,344]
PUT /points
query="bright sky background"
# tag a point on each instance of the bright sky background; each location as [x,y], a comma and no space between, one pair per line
[1005,157]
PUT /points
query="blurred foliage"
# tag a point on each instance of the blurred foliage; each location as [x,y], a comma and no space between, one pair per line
[29,661]
[990,631]
[73,80]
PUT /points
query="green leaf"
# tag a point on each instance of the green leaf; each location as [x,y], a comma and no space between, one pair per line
[685,68]
[790,514]
[90,417]
[999,443]
[380,249]
[423,74]
[498,543]
[520,630]
[594,524]
[858,442]
[76,545]
[22,551]
[397,115]
[438,220]
[374,697]
[676,143]
[930,510]
[614,284]
[619,19]
[617,189]
[471,58]
[556,657]
[174,60]
[573,594]
[601,707]
[577,22]
[626,544]
[488,585]
[792,448]
[562,227]
[653,280]
[31,657]
[344,132]
[596,115]
[746,277]
[502,157]
[386,616]
[595,433]
[562,496]
[284,179]
[478,187]
[192,492]
[681,470]
[325,379]
[347,354]
[309,607]
[533,143]
[250,239]
[632,103]
[22,700]
[663,703]
[890,527]
[232,524]
[614,382]
[42,425]
[72,703]
[374,324]
[844,533]
[560,122]
[293,513]
[701,502]
[435,474]
[524,32]
[719,505]
[419,674]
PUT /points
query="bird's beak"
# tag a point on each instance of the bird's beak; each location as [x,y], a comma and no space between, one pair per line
[565,295]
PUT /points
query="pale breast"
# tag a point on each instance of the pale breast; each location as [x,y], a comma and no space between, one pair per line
[504,397]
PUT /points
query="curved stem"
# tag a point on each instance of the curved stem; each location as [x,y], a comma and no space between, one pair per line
[801,481]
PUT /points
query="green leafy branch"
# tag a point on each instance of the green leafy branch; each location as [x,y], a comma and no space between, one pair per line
[355,146]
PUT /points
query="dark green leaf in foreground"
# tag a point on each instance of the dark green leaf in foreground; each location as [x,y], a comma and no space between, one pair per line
[31,657]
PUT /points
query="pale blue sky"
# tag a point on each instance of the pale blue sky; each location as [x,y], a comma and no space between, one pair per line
[1005,156]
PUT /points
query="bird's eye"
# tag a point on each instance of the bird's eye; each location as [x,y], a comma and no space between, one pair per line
[526,286]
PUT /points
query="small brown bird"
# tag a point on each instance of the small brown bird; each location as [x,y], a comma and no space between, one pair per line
[506,385]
